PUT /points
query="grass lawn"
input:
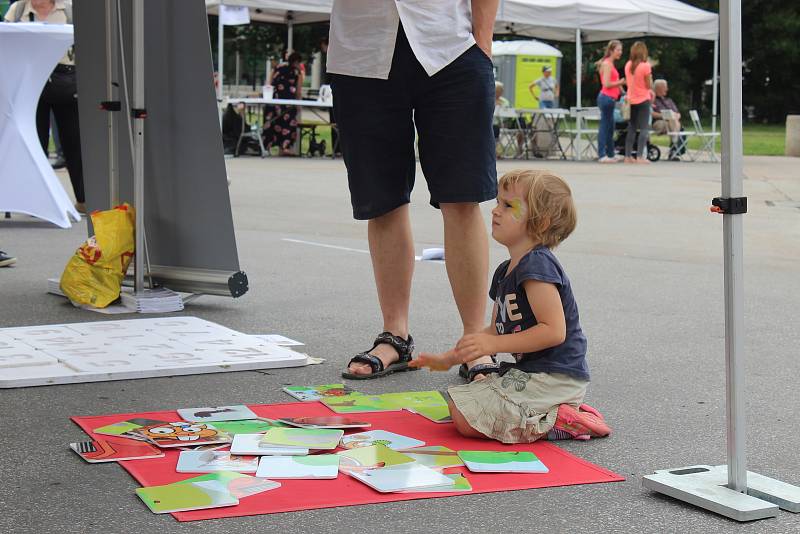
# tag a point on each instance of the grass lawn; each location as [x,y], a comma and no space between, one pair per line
[759,139]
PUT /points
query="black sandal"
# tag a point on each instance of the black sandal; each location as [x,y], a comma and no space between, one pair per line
[404,348]
[480,369]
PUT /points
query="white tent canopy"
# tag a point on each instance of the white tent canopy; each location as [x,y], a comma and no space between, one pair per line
[527,47]
[601,20]
[280,11]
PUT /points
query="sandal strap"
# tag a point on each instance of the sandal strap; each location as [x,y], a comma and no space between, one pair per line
[369,359]
[482,369]
[404,347]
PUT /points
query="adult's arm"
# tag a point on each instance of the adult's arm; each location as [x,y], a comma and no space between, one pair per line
[483,15]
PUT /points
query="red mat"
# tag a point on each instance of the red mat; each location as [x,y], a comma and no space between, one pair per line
[294,495]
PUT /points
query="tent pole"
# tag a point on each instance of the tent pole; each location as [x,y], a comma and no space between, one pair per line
[715,86]
[290,32]
[578,66]
[138,140]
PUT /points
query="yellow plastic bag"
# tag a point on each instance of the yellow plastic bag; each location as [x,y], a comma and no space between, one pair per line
[94,273]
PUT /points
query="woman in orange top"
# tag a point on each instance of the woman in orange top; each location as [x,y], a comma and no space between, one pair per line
[639,75]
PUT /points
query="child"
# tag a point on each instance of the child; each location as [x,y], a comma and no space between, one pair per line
[535,318]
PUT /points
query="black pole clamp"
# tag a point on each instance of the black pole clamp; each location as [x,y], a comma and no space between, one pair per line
[729,206]
[139,113]
[111,105]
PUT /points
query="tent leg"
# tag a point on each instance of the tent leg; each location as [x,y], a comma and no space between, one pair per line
[578,66]
[730,489]
[111,60]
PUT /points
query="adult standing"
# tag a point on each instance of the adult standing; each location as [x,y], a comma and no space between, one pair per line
[60,93]
[396,66]
[548,89]
[639,75]
[610,91]
[280,121]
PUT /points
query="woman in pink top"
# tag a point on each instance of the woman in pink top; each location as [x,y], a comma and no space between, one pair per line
[610,91]
[639,74]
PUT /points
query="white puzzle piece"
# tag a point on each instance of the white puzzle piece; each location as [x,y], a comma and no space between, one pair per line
[136,348]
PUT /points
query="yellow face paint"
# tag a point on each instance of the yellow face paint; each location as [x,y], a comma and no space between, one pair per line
[517,208]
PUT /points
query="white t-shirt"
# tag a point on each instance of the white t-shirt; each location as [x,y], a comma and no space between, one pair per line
[363,34]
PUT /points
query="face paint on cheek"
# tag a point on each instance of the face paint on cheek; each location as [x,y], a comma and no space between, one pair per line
[517,209]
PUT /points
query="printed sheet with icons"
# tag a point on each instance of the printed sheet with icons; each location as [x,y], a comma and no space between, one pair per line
[136,348]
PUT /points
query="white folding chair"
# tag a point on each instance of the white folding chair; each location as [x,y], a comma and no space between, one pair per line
[582,139]
[707,139]
[511,133]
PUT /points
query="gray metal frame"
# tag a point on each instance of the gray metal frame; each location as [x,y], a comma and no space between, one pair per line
[169,165]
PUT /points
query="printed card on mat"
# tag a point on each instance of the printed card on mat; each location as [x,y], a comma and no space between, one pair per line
[380,437]
[502,462]
[238,484]
[315,393]
[460,484]
[332,421]
[211,461]
[123,428]
[247,426]
[250,444]
[320,466]
[358,403]
[182,434]
[401,478]
[187,496]
[435,456]
[237,412]
[113,449]
[312,438]
[372,457]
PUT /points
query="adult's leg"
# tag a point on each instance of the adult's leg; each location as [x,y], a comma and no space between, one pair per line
[605,142]
[69,129]
[43,123]
[631,135]
[644,130]
[391,247]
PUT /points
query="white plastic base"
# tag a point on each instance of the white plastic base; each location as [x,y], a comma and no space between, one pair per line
[137,348]
[705,486]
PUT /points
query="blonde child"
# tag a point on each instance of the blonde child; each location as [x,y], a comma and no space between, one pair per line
[535,318]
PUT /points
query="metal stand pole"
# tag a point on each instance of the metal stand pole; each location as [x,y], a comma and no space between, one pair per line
[139,114]
[730,489]
[220,54]
[578,66]
[111,61]
[715,86]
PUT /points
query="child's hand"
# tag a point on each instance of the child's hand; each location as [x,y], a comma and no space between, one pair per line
[473,346]
[435,362]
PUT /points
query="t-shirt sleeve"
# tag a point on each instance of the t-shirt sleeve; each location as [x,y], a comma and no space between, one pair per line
[539,266]
[648,69]
[498,273]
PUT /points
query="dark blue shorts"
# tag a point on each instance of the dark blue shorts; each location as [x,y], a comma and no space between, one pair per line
[452,111]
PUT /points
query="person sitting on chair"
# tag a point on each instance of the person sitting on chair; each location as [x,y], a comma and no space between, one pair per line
[662,125]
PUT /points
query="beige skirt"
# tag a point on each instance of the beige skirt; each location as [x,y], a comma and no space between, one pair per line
[517,407]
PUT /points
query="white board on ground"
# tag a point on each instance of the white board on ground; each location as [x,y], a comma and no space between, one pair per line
[136,348]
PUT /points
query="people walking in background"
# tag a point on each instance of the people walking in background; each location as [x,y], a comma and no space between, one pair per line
[548,89]
[664,126]
[638,74]
[280,122]
[610,91]
[60,93]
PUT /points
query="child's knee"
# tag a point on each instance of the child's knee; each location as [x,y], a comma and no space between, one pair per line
[460,422]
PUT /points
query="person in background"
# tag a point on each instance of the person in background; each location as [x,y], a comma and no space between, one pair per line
[639,75]
[662,126]
[60,93]
[280,122]
[326,80]
[610,92]
[548,89]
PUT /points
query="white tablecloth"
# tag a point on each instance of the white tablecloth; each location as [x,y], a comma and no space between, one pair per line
[28,184]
